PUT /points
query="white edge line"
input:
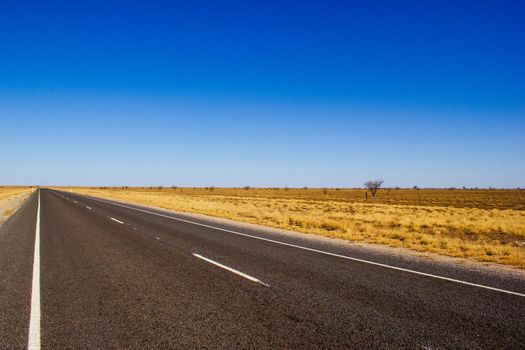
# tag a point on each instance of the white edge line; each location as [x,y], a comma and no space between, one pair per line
[253,279]
[120,222]
[318,251]
[33,342]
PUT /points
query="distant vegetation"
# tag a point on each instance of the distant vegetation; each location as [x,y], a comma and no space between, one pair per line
[373,186]
[453,197]
[487,225]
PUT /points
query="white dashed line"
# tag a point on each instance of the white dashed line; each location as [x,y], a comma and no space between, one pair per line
[317,250]
[120,222]
[88,208]
[253,279]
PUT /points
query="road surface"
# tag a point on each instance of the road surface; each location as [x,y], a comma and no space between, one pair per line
[80,272]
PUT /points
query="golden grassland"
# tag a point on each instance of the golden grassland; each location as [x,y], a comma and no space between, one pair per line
[486,225]
[474,198]
[7,192]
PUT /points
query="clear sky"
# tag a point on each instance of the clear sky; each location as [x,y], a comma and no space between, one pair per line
[262,93]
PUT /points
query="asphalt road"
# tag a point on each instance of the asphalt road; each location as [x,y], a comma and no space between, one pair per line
[122,276]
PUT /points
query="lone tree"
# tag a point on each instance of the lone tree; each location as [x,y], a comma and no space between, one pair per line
[373,186]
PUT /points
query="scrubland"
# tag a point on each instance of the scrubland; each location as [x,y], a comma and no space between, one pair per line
[486,225]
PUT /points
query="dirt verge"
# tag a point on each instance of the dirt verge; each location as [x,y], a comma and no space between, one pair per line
[9,206]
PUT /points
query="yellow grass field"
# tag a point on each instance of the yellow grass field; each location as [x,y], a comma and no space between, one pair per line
[486,225]
[7,192]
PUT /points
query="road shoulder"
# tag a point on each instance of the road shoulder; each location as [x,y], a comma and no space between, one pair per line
[404,257]
[16,261]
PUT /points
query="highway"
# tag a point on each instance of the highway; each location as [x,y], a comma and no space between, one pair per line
[80,272]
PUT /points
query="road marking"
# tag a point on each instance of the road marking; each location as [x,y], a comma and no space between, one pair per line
[157,238]
[120,222]
[33,342]
[319,251]
[75,201]
[88,208]
[253,279]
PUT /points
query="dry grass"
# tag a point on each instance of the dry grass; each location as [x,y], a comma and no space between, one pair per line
[486,225]
[482,199]
[8,213]
[7,192]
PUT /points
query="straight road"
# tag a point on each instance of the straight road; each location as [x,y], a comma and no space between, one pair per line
[83,272]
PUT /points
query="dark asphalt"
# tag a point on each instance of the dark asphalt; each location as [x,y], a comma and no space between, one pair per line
[137,285]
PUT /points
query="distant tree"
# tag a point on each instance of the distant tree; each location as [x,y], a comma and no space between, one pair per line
[373,186]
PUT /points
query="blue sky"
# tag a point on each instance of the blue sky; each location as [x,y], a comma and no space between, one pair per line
[269,93]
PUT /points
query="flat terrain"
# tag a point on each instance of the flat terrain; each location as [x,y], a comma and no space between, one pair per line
[11,198]
[124,276]
[485,225]
[7,192]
